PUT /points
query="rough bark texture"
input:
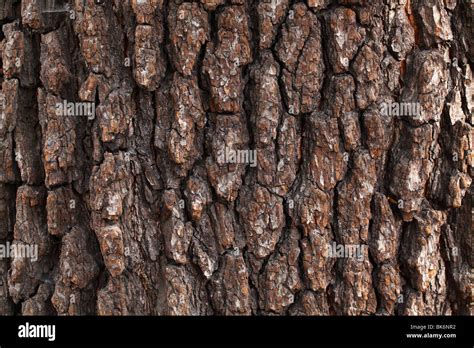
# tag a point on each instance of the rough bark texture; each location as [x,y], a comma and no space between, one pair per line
[134,209]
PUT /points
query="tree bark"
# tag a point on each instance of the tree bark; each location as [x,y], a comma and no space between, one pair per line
[153,204]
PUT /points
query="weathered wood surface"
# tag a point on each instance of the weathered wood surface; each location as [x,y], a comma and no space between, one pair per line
[135,208]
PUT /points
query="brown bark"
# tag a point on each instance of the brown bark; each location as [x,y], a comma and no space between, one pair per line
[139,207]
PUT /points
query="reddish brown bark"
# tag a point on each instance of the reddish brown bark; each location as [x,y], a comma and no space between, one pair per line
[139,206]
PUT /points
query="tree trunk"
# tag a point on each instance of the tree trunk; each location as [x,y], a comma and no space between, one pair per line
[236,157]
